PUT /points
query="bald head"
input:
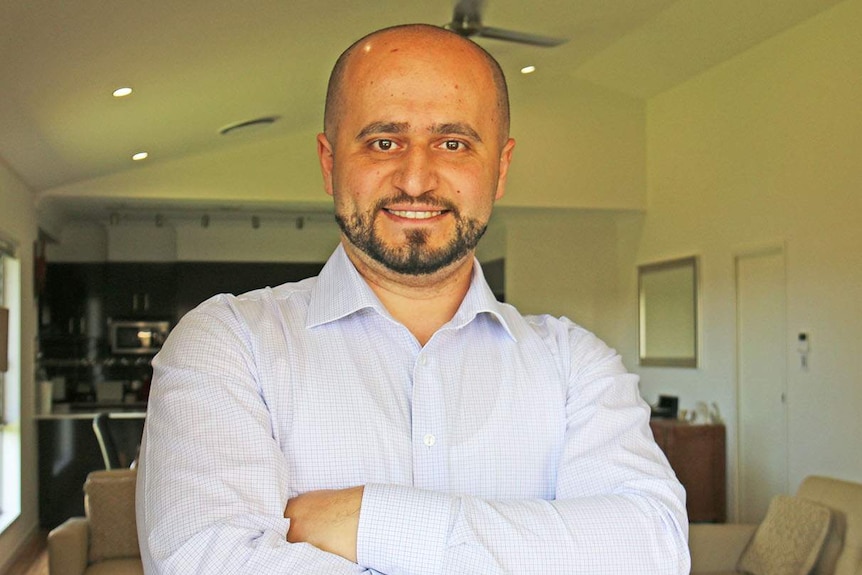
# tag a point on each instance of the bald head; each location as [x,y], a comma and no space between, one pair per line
[433,38]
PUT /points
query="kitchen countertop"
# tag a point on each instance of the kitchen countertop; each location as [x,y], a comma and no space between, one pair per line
[89,411]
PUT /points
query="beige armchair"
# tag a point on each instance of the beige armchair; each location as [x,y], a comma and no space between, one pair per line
[105,542]
[716,549]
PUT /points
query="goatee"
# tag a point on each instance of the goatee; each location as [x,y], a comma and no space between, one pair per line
[414,256]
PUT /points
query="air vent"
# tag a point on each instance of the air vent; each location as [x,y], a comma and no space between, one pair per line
[248,125]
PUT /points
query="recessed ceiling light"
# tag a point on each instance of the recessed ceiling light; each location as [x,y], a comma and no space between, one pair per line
[140,156]
[121,92]
[528,69]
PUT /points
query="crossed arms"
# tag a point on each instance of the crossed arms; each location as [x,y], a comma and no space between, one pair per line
[216,492]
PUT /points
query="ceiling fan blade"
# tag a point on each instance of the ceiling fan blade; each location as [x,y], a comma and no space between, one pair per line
[466,18]
[522,37]
[468,10]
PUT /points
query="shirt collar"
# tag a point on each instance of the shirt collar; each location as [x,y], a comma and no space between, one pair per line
[341,291]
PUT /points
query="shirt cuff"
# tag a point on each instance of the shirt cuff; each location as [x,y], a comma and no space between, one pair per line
[403,529]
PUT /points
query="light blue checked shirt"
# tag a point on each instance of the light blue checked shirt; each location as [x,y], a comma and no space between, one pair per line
[507,444]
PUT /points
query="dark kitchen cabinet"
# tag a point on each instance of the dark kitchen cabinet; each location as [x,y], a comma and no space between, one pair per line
[78,294]
[198,281]
[72,297]
[140,290]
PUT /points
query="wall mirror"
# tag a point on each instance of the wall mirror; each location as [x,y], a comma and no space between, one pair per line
[667,322]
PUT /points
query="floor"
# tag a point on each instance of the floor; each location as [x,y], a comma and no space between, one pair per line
[33,557]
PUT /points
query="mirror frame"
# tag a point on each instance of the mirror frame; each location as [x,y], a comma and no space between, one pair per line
[683,359]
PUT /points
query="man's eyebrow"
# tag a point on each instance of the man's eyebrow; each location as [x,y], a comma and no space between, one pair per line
[457,128]
[383,128]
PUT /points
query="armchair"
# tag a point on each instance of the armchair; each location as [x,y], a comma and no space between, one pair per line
[105,541]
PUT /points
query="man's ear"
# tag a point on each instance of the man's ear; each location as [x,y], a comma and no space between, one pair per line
[505,160]
[326,156]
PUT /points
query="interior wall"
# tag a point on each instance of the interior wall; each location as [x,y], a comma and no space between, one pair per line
[577,146]
[562,262]
[18,222]
[764,151]
[273,241]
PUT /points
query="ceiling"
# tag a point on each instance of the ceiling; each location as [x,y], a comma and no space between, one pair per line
[199,65]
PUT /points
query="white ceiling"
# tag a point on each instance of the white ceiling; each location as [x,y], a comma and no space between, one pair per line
[198,65]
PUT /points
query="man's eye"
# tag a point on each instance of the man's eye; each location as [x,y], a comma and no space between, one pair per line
[453,145]
[383,145]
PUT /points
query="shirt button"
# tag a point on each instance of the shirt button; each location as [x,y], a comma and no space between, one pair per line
[429,440]
[423,360]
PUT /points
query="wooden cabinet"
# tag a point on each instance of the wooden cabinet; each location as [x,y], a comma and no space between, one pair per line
[697,455]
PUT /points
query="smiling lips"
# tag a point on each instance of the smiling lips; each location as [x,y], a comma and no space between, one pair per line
[415,214]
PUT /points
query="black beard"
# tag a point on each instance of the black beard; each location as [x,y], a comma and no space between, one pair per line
[414,257]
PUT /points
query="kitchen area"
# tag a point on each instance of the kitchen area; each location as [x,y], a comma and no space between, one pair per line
[100,325]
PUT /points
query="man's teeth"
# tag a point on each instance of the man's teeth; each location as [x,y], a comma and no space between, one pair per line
[411,215]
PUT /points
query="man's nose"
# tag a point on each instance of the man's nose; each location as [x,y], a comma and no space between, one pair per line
[416,172]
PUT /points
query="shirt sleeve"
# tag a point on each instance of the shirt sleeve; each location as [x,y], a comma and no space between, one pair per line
[212,481]
[618,506]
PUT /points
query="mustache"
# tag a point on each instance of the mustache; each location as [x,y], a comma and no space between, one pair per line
[428,199]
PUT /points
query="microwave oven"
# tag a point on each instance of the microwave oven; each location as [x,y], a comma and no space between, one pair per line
[139,337]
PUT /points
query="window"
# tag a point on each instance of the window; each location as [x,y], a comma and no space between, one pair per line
[10,388]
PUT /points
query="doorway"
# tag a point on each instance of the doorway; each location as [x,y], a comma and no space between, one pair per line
[762,470]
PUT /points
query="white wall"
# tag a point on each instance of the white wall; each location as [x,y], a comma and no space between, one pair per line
[185,240]
[562,262]
[273,241]
[18,222]
[765,150]
[577,146]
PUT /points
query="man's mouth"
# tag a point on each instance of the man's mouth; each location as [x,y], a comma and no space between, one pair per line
[416,214]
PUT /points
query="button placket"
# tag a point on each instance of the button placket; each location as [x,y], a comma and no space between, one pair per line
[429,469]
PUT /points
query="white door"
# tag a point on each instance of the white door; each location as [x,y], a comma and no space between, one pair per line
[762,381]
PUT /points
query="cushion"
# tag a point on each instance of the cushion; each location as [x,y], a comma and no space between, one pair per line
[789,539]
[110,505]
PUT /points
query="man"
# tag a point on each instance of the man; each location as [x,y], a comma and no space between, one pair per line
[389,416]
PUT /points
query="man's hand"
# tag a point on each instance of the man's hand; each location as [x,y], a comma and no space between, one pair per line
[329,520]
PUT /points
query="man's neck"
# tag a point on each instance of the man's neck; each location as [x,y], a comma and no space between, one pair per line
[422,303]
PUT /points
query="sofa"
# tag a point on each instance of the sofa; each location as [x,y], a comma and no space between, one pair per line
[818,531]
[105,541]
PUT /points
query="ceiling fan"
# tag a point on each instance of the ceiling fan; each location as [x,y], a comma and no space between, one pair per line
[467,21]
